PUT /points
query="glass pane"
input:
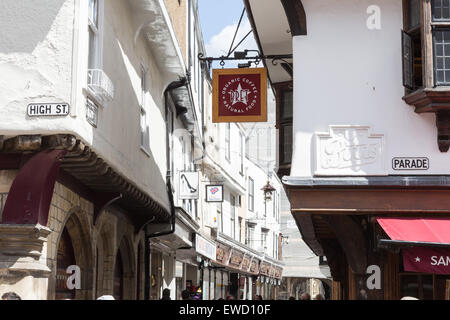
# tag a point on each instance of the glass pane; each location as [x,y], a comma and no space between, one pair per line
[414,13]
[92,49]
[287,105]
[286,141]
[93,12]
[442,56]
[440,10]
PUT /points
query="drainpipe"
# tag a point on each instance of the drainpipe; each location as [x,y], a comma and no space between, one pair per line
[173,85]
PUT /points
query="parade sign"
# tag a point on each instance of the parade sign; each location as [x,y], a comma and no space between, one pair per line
[240,95]
[428,260]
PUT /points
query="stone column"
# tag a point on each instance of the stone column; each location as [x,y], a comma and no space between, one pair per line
[23,265]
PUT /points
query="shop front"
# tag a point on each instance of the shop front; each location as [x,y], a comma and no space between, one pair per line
[384,237]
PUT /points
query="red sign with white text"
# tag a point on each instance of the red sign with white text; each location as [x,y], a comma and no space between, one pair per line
[240,95]
[429,260]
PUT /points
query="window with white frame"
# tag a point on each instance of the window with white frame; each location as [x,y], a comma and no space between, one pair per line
[93,15]
[250,235]
[227,141]
[145,130]
[233,216]
[241,153]
[251,194]
[264,239]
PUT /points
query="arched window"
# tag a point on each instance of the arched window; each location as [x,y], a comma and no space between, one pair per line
[118,277]
[65,258]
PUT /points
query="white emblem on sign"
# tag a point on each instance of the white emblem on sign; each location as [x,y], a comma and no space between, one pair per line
[239,95]
[349,150]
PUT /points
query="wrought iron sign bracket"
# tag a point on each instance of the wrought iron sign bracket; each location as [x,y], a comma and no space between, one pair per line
[242,55]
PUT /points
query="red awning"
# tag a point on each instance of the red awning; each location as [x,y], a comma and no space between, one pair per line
[436,230]
[420,232]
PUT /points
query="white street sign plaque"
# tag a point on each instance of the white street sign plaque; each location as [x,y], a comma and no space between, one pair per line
[48,109]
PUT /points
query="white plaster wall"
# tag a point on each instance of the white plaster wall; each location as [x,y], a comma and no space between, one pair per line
[36,58]
[270,222]
[346,74]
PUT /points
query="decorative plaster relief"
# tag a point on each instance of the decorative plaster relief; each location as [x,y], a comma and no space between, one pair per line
[350,150]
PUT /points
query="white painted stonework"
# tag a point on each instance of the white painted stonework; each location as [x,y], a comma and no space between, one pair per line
[347,73]
[350,150]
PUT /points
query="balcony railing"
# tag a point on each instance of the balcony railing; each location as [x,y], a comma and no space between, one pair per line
[100,86]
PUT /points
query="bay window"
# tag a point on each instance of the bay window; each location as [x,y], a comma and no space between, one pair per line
[426,61]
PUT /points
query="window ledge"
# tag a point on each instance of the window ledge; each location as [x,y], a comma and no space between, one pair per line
[429,99]
[436,100]
[147,152]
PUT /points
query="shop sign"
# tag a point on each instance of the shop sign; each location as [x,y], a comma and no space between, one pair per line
[254,266]
[245,263]
[214,193]
[188,187]
[265,268]
[48,109]
[222,254]
[410,163]
[240,95]
[205,248]
[427,260]
[236,259]
[350,150]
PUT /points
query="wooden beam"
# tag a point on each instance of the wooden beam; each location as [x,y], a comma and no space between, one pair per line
[369,201]
[295,13]
[352,239]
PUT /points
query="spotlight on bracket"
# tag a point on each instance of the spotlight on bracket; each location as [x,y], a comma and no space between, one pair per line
[244,65]
[240,54]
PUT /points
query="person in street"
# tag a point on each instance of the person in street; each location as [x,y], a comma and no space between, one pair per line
[318,297]
[185,295]
[166,294]
[305,296]
[291,298]
[11,296]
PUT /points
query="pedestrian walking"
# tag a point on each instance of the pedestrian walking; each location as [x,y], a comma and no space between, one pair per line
[305,296]
[166,294]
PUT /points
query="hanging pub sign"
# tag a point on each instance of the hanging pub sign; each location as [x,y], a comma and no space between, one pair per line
[240,95]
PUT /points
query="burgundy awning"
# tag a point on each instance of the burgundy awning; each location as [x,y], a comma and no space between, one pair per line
[426,241]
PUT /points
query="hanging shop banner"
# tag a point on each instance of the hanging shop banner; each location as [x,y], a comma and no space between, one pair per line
[429,260]
[189,182]
[214,193]
[240,95]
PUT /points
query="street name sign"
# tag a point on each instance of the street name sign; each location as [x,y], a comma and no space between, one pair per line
[410,163]
[48,109]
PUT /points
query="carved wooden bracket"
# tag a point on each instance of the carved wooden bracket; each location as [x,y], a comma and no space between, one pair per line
[352,240]
[29,198]
[438,102]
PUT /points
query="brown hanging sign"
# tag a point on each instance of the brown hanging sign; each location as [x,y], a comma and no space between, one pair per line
[240,95]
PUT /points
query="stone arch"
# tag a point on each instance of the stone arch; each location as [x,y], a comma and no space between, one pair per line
[105,259]
[78,227]
[296,15]
[140,269]
[126,252]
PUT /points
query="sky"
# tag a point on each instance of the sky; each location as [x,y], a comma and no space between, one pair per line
[219,19]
